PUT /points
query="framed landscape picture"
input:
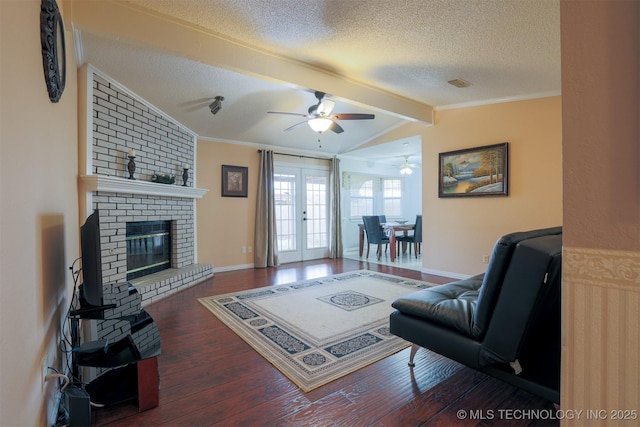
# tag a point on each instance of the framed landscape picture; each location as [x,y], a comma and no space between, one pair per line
[234,181]
[475,172]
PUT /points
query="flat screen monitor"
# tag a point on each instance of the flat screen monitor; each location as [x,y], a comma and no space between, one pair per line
[91,289]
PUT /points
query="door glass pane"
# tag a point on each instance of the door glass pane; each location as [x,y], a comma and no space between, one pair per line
[285,200]
[316,208]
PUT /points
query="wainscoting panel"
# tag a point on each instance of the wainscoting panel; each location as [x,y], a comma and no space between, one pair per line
[601,336]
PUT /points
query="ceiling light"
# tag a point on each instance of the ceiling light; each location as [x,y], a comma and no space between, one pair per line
[216,105]
[320,124]
[406,170]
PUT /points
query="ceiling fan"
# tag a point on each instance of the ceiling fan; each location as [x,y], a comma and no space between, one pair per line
[406,168]
[320,118]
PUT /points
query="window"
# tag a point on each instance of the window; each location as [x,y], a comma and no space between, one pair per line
[373,195]
[361,192]
[392,196]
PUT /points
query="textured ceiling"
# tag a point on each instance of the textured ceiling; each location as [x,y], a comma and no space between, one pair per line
[506,49]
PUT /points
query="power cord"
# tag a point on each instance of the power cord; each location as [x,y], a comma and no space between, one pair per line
[59,376]
[65,345]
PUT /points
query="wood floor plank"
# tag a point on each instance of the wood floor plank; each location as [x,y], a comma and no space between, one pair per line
[264,413]
[399,388]
[322,412]
[431,399]
[504,415]
[210,376]
[479,405]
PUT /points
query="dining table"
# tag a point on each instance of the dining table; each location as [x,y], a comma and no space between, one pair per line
[390,228]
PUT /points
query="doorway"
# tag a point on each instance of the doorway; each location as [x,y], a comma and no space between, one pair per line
[302,212]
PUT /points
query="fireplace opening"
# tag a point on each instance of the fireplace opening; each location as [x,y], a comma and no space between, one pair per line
[148,247]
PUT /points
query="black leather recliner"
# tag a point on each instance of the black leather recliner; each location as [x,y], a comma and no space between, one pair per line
[504,322]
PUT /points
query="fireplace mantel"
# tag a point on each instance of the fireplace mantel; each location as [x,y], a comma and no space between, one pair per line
[114,184]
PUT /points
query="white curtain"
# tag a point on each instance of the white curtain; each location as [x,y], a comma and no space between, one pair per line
[266,241]
[335,237]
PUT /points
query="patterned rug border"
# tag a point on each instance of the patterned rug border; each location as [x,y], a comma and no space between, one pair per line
[289,348]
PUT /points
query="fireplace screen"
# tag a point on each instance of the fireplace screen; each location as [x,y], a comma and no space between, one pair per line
[148,247]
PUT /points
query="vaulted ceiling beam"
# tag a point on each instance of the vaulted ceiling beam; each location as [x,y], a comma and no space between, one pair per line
[124,21]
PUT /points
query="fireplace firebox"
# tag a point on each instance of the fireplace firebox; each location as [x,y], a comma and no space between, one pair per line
[148,247]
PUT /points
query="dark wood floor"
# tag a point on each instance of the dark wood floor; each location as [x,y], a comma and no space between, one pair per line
[210,377]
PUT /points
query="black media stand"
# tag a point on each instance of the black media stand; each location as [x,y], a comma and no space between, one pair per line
[125,350]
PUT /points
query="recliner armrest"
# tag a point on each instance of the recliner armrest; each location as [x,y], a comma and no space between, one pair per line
[531,280]
[496,270]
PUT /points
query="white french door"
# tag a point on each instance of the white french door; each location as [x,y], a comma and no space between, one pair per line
[302,213]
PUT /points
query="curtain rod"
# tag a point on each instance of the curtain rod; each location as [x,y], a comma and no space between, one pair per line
[299,155]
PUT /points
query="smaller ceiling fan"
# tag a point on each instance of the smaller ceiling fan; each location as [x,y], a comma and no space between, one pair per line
[320,118]
[406,168]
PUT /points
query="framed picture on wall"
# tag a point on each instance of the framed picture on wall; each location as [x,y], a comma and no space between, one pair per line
[475,172]
[234,181]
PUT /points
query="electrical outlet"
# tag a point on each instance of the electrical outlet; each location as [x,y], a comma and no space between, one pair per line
[244,250]
[485,259]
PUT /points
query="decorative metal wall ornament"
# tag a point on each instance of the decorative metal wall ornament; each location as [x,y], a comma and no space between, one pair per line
[53,48]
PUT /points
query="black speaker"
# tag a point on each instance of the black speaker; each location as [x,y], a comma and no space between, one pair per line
[78,406]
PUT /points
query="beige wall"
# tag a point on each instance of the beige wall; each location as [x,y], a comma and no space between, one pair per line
[225,224]
[459,232]
[601,173]
[600,124]
[39,205]
[39,214]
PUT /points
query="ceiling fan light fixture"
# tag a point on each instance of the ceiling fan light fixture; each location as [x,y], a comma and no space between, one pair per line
[320,124]
[406,170]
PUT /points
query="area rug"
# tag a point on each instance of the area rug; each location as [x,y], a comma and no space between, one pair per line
[318,330]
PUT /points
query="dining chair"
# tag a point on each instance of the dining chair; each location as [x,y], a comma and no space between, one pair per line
[415,238]
[374,233]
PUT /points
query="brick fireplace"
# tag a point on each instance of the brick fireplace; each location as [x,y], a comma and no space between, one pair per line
[118,121]
[149,247]
[117,209]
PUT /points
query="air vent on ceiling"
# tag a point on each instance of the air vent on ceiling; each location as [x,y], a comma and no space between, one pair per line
[459,83]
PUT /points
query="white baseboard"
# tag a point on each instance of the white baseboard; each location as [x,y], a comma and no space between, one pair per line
[424,270]
[233,268]
[446,274]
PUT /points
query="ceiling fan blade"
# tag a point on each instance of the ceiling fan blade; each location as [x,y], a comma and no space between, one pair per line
[196,104]
[290,114]
[353,116]
[295,126]
[336,128]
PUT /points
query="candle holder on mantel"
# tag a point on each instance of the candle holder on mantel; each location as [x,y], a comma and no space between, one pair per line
[131,166]
[185,176]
